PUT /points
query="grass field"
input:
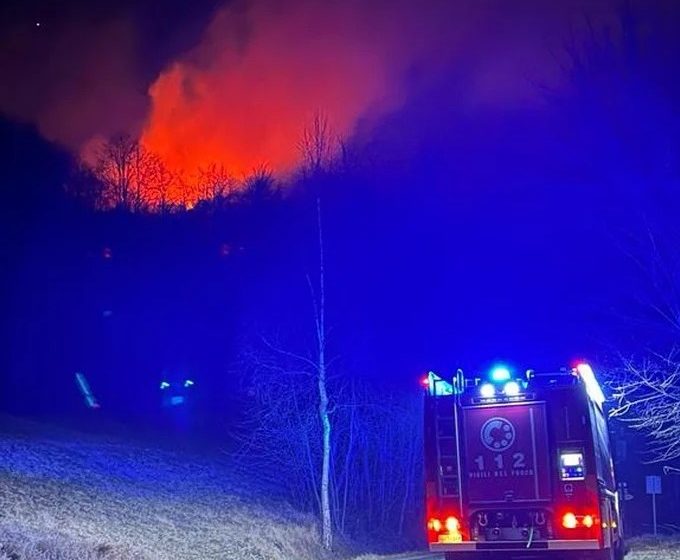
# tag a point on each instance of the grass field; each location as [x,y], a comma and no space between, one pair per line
[66,495]
[650,548]
[69,496]
[642,548]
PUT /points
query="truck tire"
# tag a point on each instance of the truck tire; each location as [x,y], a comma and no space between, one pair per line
[621,550]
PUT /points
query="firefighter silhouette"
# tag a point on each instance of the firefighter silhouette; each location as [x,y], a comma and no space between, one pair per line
[176,392]
[176,400]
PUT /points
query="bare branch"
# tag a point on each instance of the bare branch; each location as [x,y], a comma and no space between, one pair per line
[647,397]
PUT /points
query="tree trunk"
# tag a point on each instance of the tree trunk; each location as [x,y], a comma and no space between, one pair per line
[324,416]
[327,529]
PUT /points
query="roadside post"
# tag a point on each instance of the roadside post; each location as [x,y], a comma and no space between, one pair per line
[653,483]
[626,496]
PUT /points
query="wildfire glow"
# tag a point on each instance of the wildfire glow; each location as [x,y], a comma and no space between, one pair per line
[260,71]
[241,100]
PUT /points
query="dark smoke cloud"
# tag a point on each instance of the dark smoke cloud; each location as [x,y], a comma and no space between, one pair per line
[75,82]
[262,68]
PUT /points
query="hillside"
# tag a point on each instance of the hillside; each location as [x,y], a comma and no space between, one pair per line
[68,496]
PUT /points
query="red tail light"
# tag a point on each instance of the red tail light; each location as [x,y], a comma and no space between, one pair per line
[569,521]
[452,525]
[453,533]
[447,531]
[434,525]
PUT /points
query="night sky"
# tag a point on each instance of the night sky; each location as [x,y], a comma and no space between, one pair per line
[239,78]
[514,157]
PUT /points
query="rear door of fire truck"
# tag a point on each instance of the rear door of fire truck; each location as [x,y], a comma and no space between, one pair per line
[506,470]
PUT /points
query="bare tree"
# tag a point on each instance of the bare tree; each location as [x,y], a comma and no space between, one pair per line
[84,186]
[348,452]
[281,428]
[293,407]
[647,397]
[377,452]
[160,183]
[259,186]
[316,146]
[646,387]
[656,261]
[319,299]
[375,448]
[127,171]
[216,183]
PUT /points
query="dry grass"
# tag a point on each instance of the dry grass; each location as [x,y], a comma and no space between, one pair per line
[642,548]
[64,496]
[18,543]
[67,496]
[651,548]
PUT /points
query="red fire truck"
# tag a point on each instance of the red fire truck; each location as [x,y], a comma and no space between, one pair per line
[520,466]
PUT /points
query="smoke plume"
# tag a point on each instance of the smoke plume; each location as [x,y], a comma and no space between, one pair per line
[75,82]
[242,95]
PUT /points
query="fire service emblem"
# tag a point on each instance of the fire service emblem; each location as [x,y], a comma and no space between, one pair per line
[497,434]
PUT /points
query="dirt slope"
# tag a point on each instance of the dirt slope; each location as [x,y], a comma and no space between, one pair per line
[66,495]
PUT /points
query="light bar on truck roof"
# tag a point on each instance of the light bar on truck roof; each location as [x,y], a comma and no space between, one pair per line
[593,388]
[437,386]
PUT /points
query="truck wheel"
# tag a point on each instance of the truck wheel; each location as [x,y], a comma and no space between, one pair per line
[620,551]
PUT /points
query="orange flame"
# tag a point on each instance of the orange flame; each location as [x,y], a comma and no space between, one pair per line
[240,102]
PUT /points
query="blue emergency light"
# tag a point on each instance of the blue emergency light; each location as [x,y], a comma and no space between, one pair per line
[501,383]
[500,374]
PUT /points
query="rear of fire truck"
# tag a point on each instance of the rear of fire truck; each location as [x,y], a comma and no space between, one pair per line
[520,466]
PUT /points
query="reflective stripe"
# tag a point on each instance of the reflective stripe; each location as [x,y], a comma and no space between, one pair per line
[443,547]
[592,544]
[486,546]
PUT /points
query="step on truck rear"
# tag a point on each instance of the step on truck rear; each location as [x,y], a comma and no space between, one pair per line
[520,466]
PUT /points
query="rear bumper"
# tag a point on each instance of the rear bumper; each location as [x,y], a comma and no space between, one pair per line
[515,546]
